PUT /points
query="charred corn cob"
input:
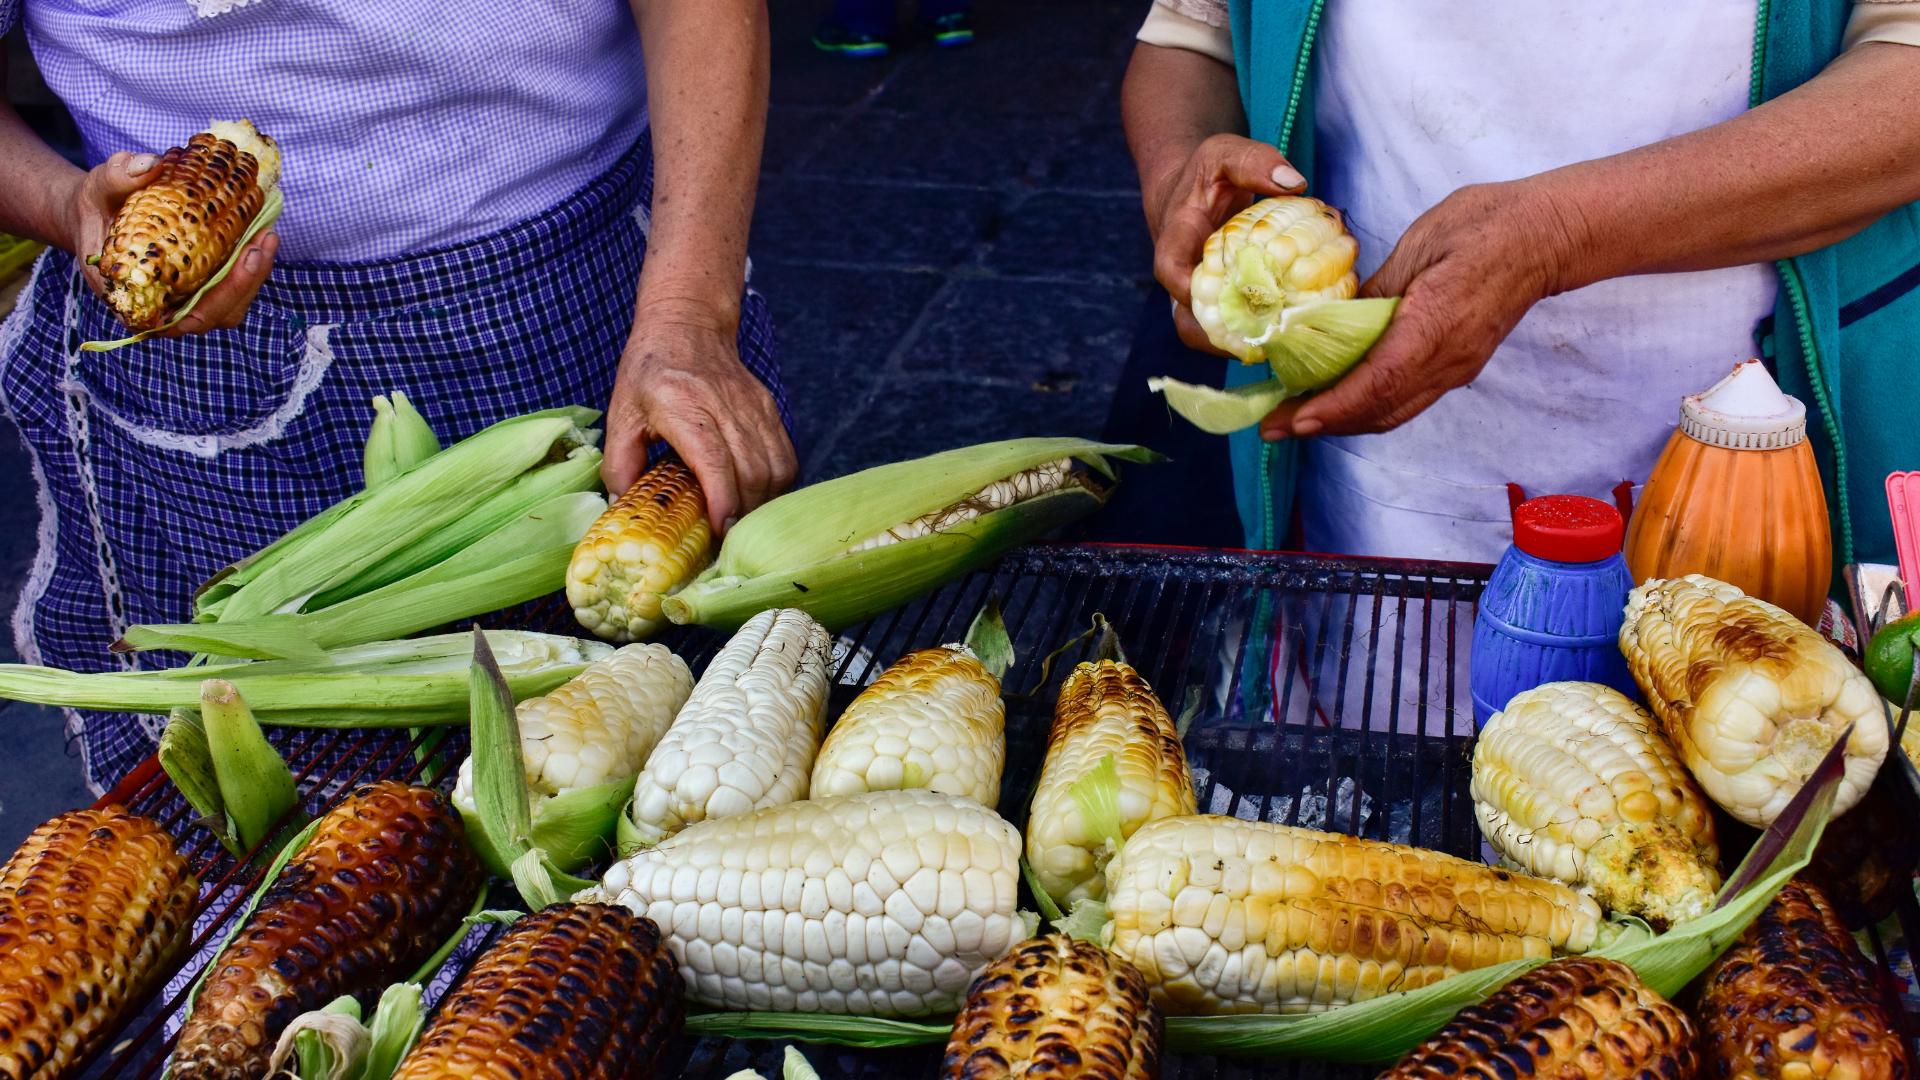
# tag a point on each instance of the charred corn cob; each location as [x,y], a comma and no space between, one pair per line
[1230,916]
[1749,696]
[1105,710]
[93,906]
[747,736]
[1570,782]
[1056,1007]
[382,883]
[1580,1017]
[651,541]
[571,992]
[884,904]
[933,720]
[172,235]
[1791,1001]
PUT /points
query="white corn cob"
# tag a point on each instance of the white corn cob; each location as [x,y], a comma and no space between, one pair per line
[933,720]
[1571,782]
[747,736]
[998,495]
[1750,697]
[883,904]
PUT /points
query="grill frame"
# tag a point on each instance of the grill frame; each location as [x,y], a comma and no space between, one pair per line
[1380,749]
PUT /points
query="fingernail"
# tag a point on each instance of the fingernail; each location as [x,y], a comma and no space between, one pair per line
[1288,177]
[140,163]
[251,262]
[1306,427]
[727,526]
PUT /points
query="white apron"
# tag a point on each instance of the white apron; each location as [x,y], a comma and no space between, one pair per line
[1417,99]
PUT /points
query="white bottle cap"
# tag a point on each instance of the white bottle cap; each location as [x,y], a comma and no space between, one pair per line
[1745,411]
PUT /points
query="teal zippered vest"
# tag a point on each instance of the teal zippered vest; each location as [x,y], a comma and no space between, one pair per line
[1839,337]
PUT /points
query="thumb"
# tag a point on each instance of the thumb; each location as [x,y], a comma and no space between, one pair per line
[123,174]
[1260,167]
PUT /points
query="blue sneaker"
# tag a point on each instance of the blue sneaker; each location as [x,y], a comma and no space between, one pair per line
[953,31]
[832,37]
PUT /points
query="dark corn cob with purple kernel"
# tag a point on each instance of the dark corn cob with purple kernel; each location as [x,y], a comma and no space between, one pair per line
[1792,1001]
[1576,1019]
[1056,1008]
[572,992]
[93,907]
[384,881]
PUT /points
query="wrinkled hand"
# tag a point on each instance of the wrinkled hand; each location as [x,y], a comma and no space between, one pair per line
[1466,272]
[681,380]
[1224,175]
[97,198]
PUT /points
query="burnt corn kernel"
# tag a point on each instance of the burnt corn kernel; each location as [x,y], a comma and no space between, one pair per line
[1579,1017]
[384,881]
[1056,1008]
[571,992]
[93,907]
[1792,1000]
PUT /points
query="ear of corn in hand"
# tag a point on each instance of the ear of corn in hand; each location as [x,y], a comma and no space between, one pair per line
[574,990]
[1114,763]
[884,904]
[94,906]
[1571,782]
[851,547]
[1580,1016]
[1058,1008]
[171,236]
[1750,698]
[649,543]
[383,880]
[582,746]
[933,720]
[746,737]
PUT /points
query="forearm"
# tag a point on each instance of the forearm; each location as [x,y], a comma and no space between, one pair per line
[707,99]
[1170,102]
[1798,173]
[38,184]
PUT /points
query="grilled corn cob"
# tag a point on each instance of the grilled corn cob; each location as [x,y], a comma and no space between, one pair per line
[1056,1007]
[384,880]
[1230,916]
[1571,783]
[571,992]
[93,906]
[933,720]
[1748,695]
[172,235]
[651,541]
[884,904]
[747,736]
[1790,1001]
[1581,1017]
[1105,709]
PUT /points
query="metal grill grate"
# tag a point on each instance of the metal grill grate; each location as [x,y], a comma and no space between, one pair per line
[1329,693]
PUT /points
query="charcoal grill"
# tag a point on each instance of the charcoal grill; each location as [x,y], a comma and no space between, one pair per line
[1315,691]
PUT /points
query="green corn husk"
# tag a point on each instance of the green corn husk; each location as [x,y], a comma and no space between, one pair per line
[795,551]
[415,683]
[989,640]
[16,255]
[256,788]
[399,439]
[1221,412]
[376,527]
[524,559]
[573,828]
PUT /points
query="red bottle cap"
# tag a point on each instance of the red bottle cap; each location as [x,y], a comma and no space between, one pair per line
[1568,528]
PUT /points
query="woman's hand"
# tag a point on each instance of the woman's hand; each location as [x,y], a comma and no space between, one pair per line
[97,197]
[1466,272]
[681,380]
[1222,176]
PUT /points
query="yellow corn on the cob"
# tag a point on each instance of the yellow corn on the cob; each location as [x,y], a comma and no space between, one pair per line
[93,906]
[1570,782]
[571,992]
[382,883]
[1231,916]
[1105,709]
[1277,254]
[1749,696]
[651,541]
[1582,1018]
[884,904]
[172,235]
[933,720]
[1056,1008]
[747,736]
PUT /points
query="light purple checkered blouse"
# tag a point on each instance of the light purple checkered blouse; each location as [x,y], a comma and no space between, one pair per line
[405,124]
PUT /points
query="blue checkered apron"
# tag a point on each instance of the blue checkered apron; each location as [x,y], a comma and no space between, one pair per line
[163,462]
